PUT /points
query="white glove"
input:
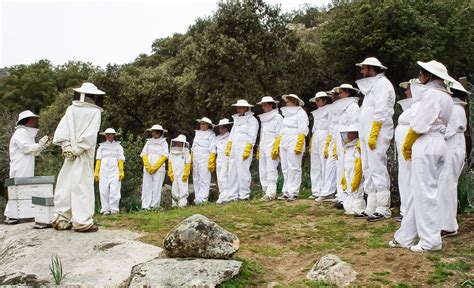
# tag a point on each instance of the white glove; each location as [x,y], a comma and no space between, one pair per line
[67,153]
[44,142]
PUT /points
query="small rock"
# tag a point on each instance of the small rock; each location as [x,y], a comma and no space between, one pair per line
[199,237]
[333,270]
[183,272]
[274,284]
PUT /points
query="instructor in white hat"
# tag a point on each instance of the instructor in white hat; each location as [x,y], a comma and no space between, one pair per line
[376,132]
[240,150]
[76,134]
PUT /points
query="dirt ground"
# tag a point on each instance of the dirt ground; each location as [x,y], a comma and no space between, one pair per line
[281,241]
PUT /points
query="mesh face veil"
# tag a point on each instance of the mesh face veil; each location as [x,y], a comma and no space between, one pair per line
[178,147]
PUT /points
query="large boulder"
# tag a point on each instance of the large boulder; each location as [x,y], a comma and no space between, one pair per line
[97,259]
[333,270]
[183,272]
[199,237]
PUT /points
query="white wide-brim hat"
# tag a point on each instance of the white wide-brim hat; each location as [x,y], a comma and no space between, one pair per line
[109,131]
[242,103]
[157,128]
[346,86]
[405,84]
[267,99]
[223,122]
[26,114]
[301,102]
[456,85]
[331,91]
[180,138]
[89,88]
[320,94]
[205,120]
[350,128]
[371,61]
[436,68]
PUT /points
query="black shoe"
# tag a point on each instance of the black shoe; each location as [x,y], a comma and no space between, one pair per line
[399,218]
[448,233]
[283,198]
[292,198]
[361,215]
[376,217]
[338,205]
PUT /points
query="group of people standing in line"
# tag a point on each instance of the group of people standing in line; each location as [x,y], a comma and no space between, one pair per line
[348,151]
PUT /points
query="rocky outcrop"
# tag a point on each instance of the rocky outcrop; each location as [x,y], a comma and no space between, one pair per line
[333,270]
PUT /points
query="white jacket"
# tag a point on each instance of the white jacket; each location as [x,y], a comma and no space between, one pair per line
[109,153]
[155,148]
[23,150]
[244,131]
[220,144]
[270,126]
[295,121]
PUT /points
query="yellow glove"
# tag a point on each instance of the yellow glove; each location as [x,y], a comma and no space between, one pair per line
[158,164]
[334,151]
[343,183]
[228,148]
[358,146]
[410,139]
[357,175]
[211,162]
[276,148]
[146,164]
[299,144]
[257,156]
[187,171]
[374,133]
[326,146]
[121,172]
[97,170]
[247,150]
[310,146]
[170,171]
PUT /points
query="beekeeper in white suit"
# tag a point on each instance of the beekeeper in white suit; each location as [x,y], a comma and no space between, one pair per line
[290,145]
[240,150]
[203,155]
[318,141]
[376,132]
[109,172]
[154,155]
[270,125]
[179,168]
[77,135]
[23,147]
[455,158]
[347,114]
[222,161]
[425,146]
[409,107]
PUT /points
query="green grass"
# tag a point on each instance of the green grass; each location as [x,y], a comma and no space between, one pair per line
[247,277]
[445,270]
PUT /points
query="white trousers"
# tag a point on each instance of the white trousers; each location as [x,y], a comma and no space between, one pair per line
[290,166]
[329,184]
[74,199]
[376,176]
[201,176]
[448,186]
[422,215]
[404,167]
[268,172]
[179,191]
[222,174]
[109,187]
[340,194]
[151,189]
[318,162]
[354,203]
[238,183]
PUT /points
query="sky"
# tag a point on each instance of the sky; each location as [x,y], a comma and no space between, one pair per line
[99,32]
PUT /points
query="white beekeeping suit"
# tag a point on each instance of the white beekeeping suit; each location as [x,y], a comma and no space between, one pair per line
[23,149]
[425,145]
[109,171]
[270,125]
[455,158]
[318,141]
[76,133]
[222,162]
[409,107]
[291,144]
[376,132]
[329,184]
[240,149]
[348,113]
[202,148]
[154,155]
[179,168]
